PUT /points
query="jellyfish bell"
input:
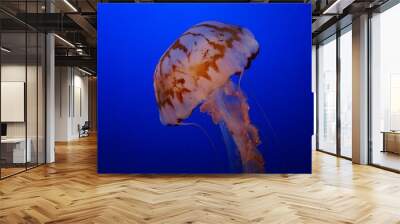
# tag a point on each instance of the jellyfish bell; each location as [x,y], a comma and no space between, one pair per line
[196,70]
[200,61]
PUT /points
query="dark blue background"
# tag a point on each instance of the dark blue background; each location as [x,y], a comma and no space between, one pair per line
[131,40]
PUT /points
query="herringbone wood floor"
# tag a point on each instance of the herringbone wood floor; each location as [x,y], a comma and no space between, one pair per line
[70,191]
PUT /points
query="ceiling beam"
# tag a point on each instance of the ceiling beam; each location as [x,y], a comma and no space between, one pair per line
[81,61]
[86,26]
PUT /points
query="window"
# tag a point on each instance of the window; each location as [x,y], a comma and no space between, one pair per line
[22,101]
[346,92]
[385,88]
[327,95]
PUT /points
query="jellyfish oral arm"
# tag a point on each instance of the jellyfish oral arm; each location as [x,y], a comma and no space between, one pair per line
[229,105]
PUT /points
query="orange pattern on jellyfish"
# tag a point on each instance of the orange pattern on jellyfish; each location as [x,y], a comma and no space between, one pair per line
[196,71]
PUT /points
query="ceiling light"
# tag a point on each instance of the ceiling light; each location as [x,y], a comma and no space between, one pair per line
[70,5]
[65,41]
[329,9]
[5,50]
[84,71]
[79,51]
[337,7]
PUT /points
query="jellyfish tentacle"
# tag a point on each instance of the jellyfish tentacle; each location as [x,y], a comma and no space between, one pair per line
[233,155]
[228,104]
[266,119]
[202,130]
[240,80]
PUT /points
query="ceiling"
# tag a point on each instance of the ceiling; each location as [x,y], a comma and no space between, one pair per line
[75,23]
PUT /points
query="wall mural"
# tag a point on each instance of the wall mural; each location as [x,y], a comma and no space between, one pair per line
[231,91]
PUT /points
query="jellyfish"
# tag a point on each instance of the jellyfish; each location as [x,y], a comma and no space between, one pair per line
[197,71]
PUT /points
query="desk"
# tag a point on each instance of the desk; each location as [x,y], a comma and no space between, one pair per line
[15,148]
[391,141]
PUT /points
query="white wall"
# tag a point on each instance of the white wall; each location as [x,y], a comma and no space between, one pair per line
[16,73]
[81,85]
[70,83]
[62,82]
[33,127]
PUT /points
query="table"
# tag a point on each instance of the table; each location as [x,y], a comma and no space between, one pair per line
[391,141]
[13,150]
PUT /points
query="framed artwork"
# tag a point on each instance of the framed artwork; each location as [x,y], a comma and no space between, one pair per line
[204,88]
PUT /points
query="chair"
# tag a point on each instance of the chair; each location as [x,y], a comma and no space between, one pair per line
[84,130]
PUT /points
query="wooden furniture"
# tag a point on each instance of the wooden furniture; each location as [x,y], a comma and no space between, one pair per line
[13,150]
[391,141]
